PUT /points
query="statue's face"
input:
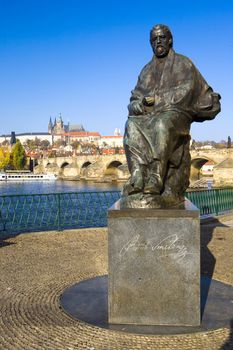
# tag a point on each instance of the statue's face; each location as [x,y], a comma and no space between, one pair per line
[160,42]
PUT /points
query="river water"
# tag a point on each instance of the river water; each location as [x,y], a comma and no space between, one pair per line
[58,186]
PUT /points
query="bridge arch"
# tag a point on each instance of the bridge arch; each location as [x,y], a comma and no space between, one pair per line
[86,164]
[83,169]
[64,164]
[196,165]
[114,164]
[111,170]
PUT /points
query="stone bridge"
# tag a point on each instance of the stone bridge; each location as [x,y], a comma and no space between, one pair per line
[114,167]
[201,156]
[91,167]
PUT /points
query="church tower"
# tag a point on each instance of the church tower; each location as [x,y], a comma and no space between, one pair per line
[50,126]
[59,125]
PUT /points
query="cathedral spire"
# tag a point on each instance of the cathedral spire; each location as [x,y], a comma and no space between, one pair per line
[50,125]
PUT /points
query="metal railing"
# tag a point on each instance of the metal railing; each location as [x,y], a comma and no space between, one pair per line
[37,212]
[214,201]
[21,213]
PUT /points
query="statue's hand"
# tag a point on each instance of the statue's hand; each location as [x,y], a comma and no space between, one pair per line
[136,108]
[148,100]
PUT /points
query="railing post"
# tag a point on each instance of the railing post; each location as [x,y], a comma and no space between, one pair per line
[217,202]
[59,213]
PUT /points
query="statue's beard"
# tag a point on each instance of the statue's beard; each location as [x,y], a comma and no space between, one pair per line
[161,51]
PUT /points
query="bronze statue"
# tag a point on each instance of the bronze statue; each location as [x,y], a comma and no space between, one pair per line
[170,94]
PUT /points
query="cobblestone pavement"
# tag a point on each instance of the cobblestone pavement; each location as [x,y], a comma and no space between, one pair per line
[37,267]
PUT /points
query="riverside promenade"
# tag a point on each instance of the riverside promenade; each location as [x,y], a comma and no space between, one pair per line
[37,267]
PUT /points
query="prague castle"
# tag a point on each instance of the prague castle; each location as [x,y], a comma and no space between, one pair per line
[58,127]
[57,130]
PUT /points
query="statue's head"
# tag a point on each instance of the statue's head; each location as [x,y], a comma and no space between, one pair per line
[161,40]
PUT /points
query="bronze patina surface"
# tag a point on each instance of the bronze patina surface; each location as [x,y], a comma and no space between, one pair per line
[170,94]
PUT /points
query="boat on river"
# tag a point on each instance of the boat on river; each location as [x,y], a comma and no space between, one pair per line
[26,176]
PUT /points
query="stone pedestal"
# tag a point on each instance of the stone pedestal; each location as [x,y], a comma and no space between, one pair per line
[154,266]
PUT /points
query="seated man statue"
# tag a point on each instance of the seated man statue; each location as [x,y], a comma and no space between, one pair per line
[170,94]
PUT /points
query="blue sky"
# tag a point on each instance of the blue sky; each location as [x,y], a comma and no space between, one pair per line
[82,59]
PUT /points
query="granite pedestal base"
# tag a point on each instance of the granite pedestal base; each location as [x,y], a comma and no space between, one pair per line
[154,266]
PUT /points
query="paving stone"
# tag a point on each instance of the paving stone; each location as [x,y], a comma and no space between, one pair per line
[36,268]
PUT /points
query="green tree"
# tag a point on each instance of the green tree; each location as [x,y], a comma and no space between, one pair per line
[18,156]
[29,145]
[4,158]
[76,144]
[6,143]
[44,144]
[58,143]
[52,154]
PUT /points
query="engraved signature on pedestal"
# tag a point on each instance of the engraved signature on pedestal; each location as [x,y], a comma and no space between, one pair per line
[171,245]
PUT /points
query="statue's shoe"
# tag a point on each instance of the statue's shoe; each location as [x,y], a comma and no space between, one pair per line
[154,185]
[134,190]
[130,188]
[136,182]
